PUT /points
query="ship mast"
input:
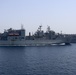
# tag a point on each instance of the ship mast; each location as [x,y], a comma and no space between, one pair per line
[22,27]
[40,27]
[48,28]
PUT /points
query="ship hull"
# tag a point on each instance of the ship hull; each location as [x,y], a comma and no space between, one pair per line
[31,42]
[12,43]
[43,42]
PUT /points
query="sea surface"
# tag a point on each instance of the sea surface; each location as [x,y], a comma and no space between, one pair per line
[48,60]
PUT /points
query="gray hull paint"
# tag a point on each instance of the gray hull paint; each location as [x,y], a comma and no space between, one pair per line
[30,42]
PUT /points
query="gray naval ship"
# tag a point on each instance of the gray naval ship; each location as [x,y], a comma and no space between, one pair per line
[13,37]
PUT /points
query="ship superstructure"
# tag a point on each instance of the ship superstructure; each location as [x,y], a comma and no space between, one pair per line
[12,37]
[45,38]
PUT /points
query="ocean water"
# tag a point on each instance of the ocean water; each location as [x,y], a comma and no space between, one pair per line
[48,60]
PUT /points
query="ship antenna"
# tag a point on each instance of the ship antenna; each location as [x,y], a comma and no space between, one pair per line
[22,26]
[48,28]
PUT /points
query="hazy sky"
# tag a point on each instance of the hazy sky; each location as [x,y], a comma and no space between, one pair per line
[60,15]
